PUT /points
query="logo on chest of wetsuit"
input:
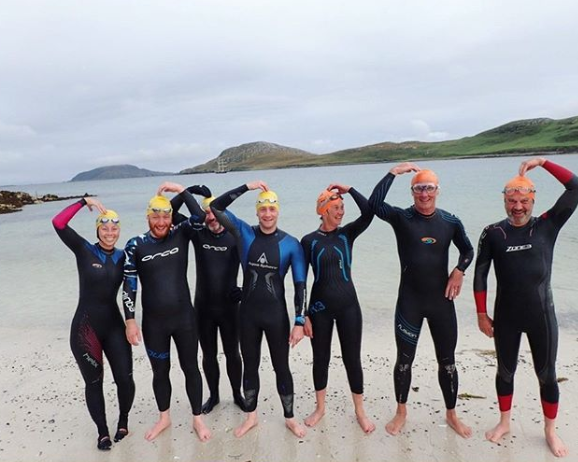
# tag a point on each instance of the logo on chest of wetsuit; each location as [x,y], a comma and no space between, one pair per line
[263,262]
[97,265]
[166,253]
[428,240]
[517,248]
[215,248]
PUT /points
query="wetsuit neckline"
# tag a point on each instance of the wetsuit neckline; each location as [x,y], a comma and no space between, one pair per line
[423,215]
[108,252]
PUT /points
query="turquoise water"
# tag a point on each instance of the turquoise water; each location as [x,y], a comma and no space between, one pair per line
[38,280]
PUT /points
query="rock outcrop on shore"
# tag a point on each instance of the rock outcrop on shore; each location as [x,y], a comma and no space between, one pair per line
[11,201]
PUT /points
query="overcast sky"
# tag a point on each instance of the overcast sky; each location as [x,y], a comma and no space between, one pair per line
[169,84]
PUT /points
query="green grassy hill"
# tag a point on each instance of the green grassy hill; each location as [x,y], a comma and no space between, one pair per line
[520,137]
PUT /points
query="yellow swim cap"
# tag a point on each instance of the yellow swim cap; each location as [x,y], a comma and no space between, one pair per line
[159,204]
[522,185]
[109,217]
[267,198]
[425,176]
[207,202]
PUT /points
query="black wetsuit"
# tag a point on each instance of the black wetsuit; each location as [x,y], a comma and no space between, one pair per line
[217,302]
[423,246]
[333,298]
[522,259]
[97,325]
[161,265]
[265,259]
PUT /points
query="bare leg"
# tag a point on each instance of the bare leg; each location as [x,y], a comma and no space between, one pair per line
[295,427]
[319,412]
[459,427]
[495,434]
[250,421]
[163,423]
[557,446]
[395,425]
[366,425]
[201,429]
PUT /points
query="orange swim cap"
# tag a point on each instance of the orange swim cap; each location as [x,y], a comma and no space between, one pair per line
[425,176]
[325,199]
[522,185]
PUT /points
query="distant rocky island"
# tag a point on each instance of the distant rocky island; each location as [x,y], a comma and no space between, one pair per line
[114,172]
[522,137]
[11,201]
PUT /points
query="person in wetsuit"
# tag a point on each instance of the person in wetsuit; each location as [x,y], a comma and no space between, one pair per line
[333,298]
[159,259]
[424,234]
[266,253]
[97,325]
[522,248]
[217,297]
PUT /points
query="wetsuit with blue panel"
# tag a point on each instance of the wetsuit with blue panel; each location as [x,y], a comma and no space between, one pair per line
[161,266]
[333,298]
[265,259]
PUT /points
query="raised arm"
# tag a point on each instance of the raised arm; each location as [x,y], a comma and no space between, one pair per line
[377,199]
[356,227]
[567,202]
[178,200]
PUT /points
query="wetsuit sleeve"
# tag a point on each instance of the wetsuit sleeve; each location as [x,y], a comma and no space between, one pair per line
[462,242]
[299,272]
[230,222]
[355,228]
[130,280]
[376,201]
[197,214]
[567,202]
[60,222]
[176,204]
[482,268]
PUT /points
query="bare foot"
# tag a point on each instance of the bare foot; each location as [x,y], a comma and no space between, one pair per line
[557,446]
[295,427]
[366,425]
[314,418]
[250,422]
[459,427]
[201,429]
[163,423]
[394,426]
[495,434]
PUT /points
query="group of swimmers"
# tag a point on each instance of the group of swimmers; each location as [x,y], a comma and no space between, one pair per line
[520,247]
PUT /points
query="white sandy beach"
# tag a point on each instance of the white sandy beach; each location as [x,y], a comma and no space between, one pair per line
[43,416]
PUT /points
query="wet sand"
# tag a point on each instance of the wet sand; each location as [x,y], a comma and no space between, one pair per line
[43,416]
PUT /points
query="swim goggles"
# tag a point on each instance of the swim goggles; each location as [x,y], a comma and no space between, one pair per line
[161,210]
[267,201]
[105,220]
[429,188]
[331,198]
[518,189]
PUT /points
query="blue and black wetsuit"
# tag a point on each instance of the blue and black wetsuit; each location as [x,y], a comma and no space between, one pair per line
[423,246]
[97,325]
[217,303]
[333,298]
[522,259]
[161,265]
[265,259]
